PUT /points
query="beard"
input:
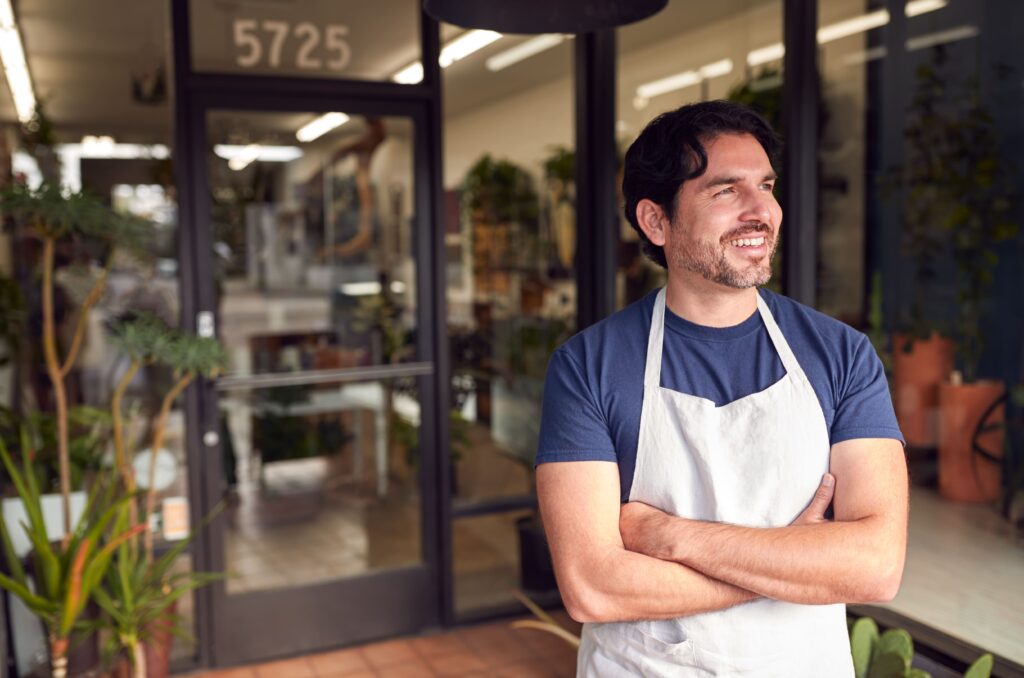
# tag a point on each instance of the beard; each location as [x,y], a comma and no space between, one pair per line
[709,259]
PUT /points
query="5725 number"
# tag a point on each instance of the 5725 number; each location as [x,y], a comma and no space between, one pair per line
[263,42]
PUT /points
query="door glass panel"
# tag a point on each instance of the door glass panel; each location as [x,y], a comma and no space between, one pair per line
[314,274]
[312,240]
[346,39]
[323,482]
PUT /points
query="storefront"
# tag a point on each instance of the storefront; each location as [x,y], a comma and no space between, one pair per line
[390,223]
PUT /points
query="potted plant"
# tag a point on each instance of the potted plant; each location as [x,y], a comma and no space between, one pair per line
[65,568]
[891,654]
[963,187]
[140,591]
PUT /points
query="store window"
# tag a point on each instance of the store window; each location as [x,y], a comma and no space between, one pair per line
[95,115]
[919,244]
[510,237]
[685,54]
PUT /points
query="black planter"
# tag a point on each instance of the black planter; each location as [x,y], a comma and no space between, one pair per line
[536,572]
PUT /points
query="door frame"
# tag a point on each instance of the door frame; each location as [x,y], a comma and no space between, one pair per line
[428,586]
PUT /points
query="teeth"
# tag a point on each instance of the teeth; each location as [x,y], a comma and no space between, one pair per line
[749,242]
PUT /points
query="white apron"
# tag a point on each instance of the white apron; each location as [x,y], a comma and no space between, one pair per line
[757,462]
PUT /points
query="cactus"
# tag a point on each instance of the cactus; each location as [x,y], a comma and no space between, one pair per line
[890,654]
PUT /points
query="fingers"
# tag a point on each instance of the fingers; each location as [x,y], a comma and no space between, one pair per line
[815,511]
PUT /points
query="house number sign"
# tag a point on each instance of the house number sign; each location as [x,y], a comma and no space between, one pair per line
[303,45]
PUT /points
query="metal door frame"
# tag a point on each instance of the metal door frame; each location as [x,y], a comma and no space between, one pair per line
[220,643]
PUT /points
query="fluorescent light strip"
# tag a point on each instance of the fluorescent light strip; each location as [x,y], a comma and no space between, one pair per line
[655,88]
[524,50]
[763,55]
[464,45]
[456,50]
[266,154]
[846,28]
[918,7]
[858,24]
[321,126]
[245,158]
[409,75]
[942,37]
[12,52]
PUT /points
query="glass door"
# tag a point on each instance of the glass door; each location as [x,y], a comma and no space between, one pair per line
[323,417]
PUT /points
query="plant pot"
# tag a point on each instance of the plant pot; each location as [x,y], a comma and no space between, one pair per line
[917,374]
[965,472]
[156,648]
[536,571]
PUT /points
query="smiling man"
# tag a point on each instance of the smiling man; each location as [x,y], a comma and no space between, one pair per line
[692,442]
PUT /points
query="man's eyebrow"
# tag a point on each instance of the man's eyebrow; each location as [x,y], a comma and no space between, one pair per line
[723,180]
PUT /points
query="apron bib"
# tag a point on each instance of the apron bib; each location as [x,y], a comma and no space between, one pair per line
[756,462]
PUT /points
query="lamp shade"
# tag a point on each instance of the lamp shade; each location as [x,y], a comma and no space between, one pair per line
[542,16]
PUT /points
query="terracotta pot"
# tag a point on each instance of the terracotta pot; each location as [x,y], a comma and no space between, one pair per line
[916,378]
[964,473]
[157,650]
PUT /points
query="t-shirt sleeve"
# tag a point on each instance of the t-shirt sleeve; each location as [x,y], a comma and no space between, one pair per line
[573,426]
[864,409]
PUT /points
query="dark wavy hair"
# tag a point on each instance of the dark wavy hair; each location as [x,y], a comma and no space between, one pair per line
[670,151]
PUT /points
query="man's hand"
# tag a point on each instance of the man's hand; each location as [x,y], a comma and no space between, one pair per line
[641,524]
[815,511]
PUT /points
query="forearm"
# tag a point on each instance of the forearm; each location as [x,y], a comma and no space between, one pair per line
[814,564]
[619,585]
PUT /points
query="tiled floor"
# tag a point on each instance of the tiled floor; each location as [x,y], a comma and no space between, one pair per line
[494,650]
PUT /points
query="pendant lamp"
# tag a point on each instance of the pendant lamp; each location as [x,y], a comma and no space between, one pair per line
[542,16]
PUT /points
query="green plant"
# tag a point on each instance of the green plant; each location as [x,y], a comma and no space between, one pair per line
[958,198]
[148,339]
[51,216]
[63,576]
[137,595]
[500,192]
[889,654]
[88,435]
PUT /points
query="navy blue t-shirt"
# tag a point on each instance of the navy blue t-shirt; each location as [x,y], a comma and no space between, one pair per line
[593,391]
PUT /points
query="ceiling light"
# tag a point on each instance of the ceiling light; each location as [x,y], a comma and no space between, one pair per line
[410,75]
[321,126]
[681,80]
[763,55]
[361,289]
[843,29]
[266,153]
[464,45]
[12,52]
[857,24]
[716,69]
[917,7]
[524,50]
[456,50]
[942,37]
[245,157]
[669,84]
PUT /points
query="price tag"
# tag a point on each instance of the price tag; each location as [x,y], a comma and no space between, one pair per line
[175,518]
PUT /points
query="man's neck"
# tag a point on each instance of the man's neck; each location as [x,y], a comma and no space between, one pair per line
[706,303]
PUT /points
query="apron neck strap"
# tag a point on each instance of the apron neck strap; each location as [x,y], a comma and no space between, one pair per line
[789,360]
[656,340]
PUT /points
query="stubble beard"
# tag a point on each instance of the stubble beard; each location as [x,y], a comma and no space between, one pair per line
[708,259]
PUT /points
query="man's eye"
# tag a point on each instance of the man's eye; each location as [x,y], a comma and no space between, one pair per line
[724,191]
[768,185]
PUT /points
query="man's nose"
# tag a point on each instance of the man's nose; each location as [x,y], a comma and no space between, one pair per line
[758,206]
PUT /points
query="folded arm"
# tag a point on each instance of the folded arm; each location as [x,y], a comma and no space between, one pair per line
[858,557]
[598,578]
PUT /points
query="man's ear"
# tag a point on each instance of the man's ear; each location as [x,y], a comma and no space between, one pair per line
[652,221]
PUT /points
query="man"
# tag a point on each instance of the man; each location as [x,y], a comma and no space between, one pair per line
[691,443]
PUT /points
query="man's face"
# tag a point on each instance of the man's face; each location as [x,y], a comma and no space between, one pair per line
[727,220]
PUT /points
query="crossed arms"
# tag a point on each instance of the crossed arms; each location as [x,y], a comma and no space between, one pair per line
[629,562]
